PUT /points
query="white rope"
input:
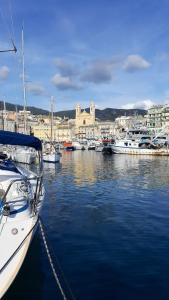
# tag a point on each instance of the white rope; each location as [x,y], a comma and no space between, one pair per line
[50,261]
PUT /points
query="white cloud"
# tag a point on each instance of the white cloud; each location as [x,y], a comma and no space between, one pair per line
[64,82]
[144,104]
[36,89]
[4,72]
[135,63]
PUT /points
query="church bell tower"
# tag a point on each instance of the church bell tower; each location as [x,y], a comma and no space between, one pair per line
[78,110]
[92,111]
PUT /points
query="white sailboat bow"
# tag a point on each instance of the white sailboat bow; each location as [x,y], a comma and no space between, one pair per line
[21,196]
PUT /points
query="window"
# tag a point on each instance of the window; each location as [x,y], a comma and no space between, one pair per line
[84,122]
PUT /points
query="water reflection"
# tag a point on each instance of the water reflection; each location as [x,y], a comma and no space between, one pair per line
[143,171]
[107,221]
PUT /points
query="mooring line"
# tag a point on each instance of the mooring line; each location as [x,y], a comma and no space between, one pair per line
[51,261]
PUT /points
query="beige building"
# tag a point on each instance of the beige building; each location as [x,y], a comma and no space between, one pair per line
[158,117]
[85,123]
[63,132]
[84,118]
[106,130]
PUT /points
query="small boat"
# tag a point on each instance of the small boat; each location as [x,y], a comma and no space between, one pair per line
[138,147]
[78,146]
[51,157]
[68,146]
[50,153]
[91,146]
[99,148]
[21,197]
[107,149]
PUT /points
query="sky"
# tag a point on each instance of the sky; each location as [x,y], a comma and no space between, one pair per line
[112,52]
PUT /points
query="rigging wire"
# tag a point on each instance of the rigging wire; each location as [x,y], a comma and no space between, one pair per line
[8,28]
[12,20]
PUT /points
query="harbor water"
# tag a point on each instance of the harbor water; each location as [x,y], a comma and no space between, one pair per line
[106,220]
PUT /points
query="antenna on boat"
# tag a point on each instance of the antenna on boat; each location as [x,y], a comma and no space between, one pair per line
[4,116]
[51,128]
[16,120]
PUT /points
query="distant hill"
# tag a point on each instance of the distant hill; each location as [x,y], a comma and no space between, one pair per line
[34,110]
[104,114]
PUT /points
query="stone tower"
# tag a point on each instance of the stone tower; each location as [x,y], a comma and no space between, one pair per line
[78,110]
[92,111]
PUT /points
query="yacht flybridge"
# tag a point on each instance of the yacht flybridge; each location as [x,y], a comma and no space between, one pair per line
[21,196]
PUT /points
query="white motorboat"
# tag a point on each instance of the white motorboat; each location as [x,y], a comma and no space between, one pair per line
[138,147]
[21,194]
[78,146]
[99,148]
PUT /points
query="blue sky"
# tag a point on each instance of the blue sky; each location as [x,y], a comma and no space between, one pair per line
[114,52]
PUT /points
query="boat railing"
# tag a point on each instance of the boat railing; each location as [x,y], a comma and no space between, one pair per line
[36,193]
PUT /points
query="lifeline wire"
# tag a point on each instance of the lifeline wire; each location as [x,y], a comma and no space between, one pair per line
[51,262]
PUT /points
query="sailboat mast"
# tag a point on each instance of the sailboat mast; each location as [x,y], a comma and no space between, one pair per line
[23,82]
[16,120]
[51,133]
[4,115]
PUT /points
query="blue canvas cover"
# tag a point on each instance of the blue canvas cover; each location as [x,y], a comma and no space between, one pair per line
[13,138]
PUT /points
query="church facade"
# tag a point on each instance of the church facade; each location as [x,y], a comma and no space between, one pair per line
[84,118]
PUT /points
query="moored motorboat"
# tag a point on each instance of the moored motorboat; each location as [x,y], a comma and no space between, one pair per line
[21,193]
[91,146]
[107,149]
[99,148]
[138,147]
[78,146]
[68,146]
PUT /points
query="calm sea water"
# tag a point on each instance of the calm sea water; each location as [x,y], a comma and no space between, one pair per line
[107,224]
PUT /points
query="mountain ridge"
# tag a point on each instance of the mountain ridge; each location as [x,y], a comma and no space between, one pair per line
[109,114]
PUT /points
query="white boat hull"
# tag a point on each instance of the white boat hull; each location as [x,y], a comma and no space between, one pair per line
[51,157]
[99,149]
[14,250]
[18,226]
[140,151]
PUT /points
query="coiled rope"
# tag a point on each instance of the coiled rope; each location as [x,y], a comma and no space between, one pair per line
[51,261]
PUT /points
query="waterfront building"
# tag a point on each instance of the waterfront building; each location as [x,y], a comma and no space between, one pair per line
[128,122]
[88,127]
[86,132]
[158,118]
[62,132]
[84,118]
[106,129]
